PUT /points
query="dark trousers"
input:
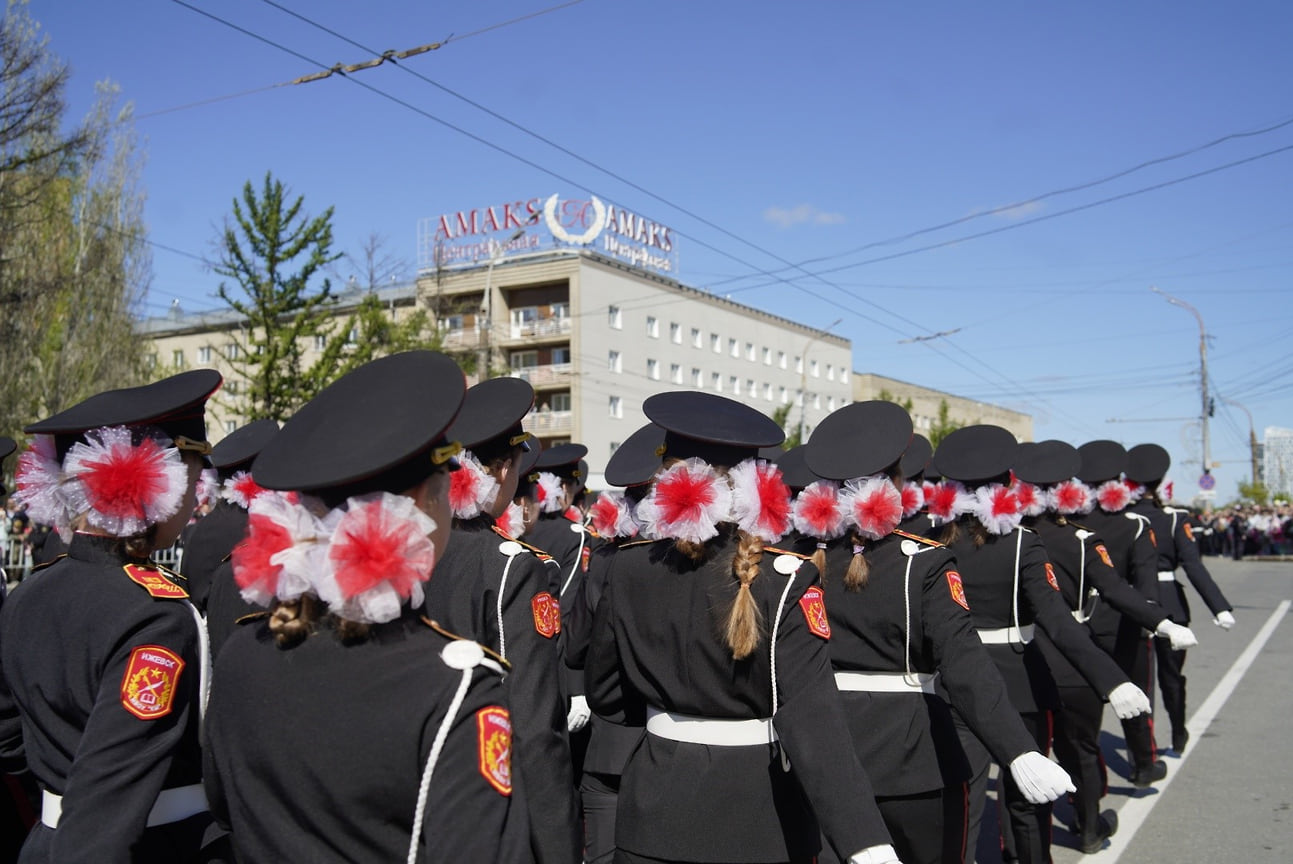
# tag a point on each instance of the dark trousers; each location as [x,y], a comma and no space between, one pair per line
[599,794]
[1134,653]
[1030,824]
[927,828]
[1077,748]
[1171,682]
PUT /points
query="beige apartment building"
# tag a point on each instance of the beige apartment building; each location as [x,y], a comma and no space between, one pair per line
[925,402]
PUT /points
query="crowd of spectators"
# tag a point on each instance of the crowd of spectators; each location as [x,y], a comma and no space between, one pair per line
[1250,529]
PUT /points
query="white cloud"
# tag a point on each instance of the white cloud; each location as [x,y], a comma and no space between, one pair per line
[800,214]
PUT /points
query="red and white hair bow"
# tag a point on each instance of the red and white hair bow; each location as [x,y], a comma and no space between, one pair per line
[208,487]
[381,553]
[121,487]
[512,521]
[873,505]
[472,489]
[1165,490]
[549,493]
[285,546]
[1032,501]
[760,499]
[997,508]
[817,511]
[1071,497]
[1113,496]
[39,481]
[1135,490]
[612,516]
[687,502]
[913,498]
[948,501]
[240,489]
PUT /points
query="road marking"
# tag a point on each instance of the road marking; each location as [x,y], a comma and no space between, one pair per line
[1136,811]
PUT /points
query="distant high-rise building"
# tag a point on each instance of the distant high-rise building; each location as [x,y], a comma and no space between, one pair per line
[1277,461]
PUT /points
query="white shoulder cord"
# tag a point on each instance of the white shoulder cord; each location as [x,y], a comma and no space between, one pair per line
[579,558]
[502,589]
[204,665]
[1140,523]
[441,734]
[1014,598]
[776,626]
[1081,535]
[906,626]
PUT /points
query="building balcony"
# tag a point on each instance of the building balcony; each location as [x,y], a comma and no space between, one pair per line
[544,376]
[540,328]
[457,340]
[545,424]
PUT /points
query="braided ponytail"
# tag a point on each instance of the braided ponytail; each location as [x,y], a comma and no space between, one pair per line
[292,620]
[855,577]
[744,620]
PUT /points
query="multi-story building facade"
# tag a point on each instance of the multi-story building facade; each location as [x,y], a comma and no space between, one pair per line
[927,402]
[1277,461]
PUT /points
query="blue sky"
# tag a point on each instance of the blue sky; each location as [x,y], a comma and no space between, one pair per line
[768,134]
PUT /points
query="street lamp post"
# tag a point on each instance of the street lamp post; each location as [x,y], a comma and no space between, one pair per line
[803,375]
[1203,373]
[1252,436]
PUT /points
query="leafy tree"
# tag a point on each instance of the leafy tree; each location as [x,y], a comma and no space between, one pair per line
[886,396]
[1254,492]
[943,426]
[782,418]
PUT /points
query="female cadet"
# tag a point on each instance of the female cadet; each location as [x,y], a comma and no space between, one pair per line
[344,726]
[898,620]
[1011,588]
[1147,464]
[103,655]
[721,649]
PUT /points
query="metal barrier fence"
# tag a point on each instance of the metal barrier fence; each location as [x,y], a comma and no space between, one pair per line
[15,558]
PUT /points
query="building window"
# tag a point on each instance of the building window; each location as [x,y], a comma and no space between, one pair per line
[716,379]
[830,403]
[696,379]
[749,351]
[230,426]
[767,356]
[613,317]
[617,406]
[653,369]
[767,391]
[560,356]
[177,358]
[675,333]
[785,396]
[696,341]
[781,359]
[231,350]
[736,384]
[231,388]
[799,365]
[751,388]
[817,401]
[653,327]
[204,354]
[615,445]
[560,402]
[716,343]
[613,361]
[524,359]
[352,338]
[150,360]
[320,341]
[733,347]
[830,372]
[817,373]
[675,373]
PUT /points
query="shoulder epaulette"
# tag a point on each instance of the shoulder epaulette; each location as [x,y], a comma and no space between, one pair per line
[171,574]
[642,542]
[154,581]
[228,557]
[539,553]
[251,616]
[53,560]
[497,658]
[917,538]
[779,551]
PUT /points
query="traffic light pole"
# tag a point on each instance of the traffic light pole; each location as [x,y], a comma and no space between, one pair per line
[1206,411]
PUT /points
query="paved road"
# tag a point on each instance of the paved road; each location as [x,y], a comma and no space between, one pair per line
[1229,797]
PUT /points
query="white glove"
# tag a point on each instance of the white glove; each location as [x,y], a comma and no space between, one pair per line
[1040,779]
[579,713]
[1181,637]
[875,855]
[1224,620]
[1128,700]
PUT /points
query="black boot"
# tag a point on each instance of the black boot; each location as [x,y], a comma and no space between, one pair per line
[1106,827]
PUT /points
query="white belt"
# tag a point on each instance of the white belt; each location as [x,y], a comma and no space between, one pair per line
[1007,635]
[706,730]
[886,682]
[1166,575]
[172,805]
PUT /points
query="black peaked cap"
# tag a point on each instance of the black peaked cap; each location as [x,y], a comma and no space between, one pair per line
[493,408]
[378,428]
[719,430]
[1046,463]
[562,460]
[636,460]
[176,405]
[976,454]
[529,460]
[1101,460]
[1147,463]
[243,445]
[794,470]
[858,440]
[916,456]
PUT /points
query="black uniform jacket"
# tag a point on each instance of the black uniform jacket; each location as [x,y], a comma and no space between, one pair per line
[210,542]
[570,544]
[1131,542]
[1177,547]
[1079,559]
[657,642]
[907,742]
[988,572]
[316,753]
[100,698]
[609,744]
[478,587]
[225,606]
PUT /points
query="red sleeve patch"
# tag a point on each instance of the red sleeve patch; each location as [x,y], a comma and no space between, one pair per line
[152,581]
[1050,576]
[1152,538]
[1104,554]
[1189,532]
[814,608]
[494,741]
[957,587]
[584,558]
[547,614]
[148,687]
